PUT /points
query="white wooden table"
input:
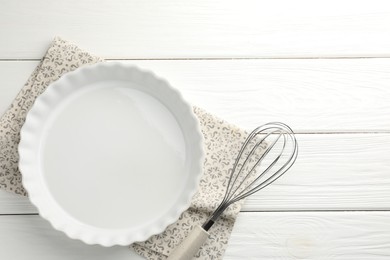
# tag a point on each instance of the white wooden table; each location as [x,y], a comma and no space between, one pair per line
[323,68]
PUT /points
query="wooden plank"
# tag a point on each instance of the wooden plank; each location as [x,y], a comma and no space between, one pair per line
[311,95]
[31,237]
[314,235]
[333,172]
[303,235]
[15,204]
[199,29]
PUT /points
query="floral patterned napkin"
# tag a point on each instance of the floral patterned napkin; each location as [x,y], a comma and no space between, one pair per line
[222,142]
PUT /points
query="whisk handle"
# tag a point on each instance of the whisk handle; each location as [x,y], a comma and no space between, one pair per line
[190,246]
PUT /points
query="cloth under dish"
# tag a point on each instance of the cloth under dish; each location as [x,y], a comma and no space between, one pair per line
[222,143]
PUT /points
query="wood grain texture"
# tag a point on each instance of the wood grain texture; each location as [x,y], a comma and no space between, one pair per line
[311,235]
[311,95]
[314,235]
[333,172]
[198,29]
[15,204]
[31,237]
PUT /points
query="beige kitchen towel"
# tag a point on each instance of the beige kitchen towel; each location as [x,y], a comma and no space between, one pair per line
[222,142]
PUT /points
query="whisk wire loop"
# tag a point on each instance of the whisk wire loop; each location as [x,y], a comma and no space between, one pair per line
[275,140]
[230,188]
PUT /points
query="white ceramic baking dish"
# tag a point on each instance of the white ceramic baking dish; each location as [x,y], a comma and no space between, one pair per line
[111,154]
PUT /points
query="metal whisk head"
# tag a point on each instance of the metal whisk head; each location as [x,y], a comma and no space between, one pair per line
[267,153]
